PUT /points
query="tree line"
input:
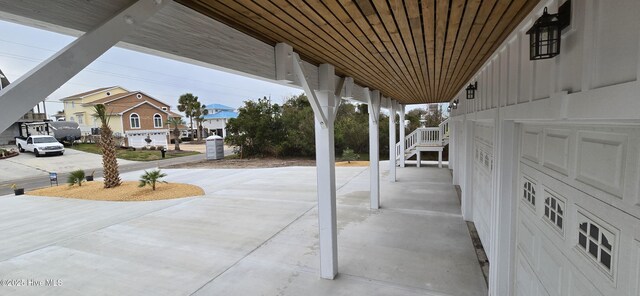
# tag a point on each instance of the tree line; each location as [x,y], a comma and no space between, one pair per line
[264,128]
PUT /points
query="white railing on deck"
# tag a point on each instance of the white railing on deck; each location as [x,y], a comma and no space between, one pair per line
[429,136]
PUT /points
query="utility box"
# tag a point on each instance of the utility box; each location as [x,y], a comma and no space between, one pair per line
[215,147]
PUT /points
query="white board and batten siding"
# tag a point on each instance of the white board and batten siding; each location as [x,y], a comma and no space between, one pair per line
[597,68]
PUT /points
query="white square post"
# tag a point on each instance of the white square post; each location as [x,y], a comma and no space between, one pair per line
[392,139]
[323,102]
[503,218]
[373,103]
[467,173]
[403,127]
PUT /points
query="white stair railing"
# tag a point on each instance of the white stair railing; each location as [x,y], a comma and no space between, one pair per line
[429,136]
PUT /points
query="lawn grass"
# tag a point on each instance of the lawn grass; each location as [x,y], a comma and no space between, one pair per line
[137,155]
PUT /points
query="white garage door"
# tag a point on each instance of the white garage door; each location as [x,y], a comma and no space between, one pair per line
[578,227]
[137,139]
[482,186]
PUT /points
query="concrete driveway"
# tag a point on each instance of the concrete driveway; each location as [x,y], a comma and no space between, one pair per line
[254,232]
[27,165]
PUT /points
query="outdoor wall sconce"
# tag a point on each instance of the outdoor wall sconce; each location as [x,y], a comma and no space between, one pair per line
[449,108]
[544,35]
[471,90]
[454,104]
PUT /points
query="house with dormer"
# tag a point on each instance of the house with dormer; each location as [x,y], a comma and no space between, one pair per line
[134,115]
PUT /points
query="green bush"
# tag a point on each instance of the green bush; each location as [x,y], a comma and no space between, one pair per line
[266,129]
[76,177]
[349,155]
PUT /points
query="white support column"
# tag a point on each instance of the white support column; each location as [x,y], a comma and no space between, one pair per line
[467,166]
[418,158]
[392,140]
[20,96]
[453,150]
[373,103]
[439,159]
[323,103]
[402,135]
[503,220]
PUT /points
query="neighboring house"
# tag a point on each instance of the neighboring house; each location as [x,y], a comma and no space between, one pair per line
[133,114]
[8,136]
[216,120]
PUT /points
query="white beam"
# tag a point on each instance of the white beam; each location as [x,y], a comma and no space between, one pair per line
[402,134]
[33,87]
[392,140]
[373,103]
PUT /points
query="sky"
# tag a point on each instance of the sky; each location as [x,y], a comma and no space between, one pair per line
[165,79]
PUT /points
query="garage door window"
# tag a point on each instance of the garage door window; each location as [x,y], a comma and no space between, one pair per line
[529,193]
[596,242]
[554,211]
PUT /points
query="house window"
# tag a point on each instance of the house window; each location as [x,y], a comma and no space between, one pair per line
[554,211]
[108,94]
[135,120]
[164,109]
[157,121]
[73,104]
[597,243]
[80,119]
[529,193]
[139,96]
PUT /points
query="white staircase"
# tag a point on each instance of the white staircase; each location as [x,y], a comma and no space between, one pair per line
[425,139]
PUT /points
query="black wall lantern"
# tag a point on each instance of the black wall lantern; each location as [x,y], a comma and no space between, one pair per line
[544,35]
[471,90]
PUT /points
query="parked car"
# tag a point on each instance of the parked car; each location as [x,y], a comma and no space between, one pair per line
[40,145]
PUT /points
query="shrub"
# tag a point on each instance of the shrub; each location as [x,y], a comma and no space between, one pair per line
[349,155]
[76,177]
[143,148]
[151,178]
[152,148]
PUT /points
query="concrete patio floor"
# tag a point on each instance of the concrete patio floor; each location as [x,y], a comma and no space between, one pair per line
[253,233]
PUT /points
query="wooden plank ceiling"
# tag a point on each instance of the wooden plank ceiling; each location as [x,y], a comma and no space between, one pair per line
[415,51]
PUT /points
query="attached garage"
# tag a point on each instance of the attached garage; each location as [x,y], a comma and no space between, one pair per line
[578,227]
[137,138]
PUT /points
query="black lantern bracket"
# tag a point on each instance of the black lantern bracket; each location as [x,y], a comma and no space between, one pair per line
[545,34]
[471,90]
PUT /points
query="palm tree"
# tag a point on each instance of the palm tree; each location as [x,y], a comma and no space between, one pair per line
[151,178]
[76,177]
[108,148]
[186,104]
[175,122]
[199,111]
